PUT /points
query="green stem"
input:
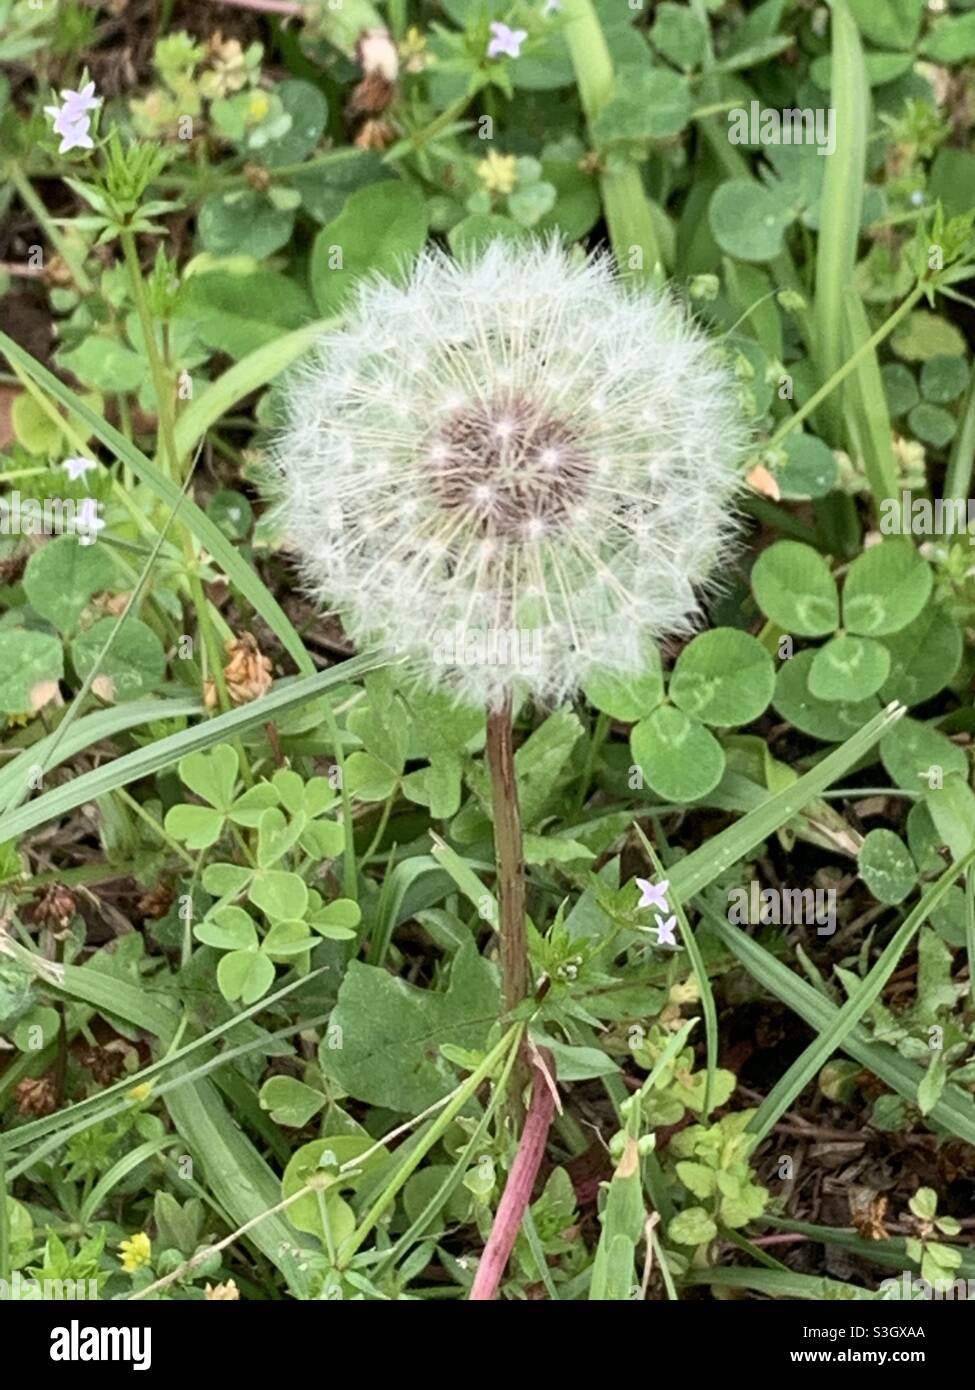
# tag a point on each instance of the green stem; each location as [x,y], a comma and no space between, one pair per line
[597,739]
[168,450]
[419,1151]
[4,1223]
[958,479]
[625,203]
[509,855]
[209,181]
[139,810]
[380,831]
[161,385]
[510,860]
[841,373]
[350,876]
[60,242]
[422,137]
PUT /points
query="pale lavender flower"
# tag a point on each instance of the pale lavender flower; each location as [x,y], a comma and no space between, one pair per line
[77,468]
[665,931]
[653,894]
[505,41]
[78,104]
[72,119]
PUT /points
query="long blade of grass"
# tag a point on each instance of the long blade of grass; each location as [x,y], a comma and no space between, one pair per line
[627,209]
[777,1284]
[868,417]
[704,864]
[958,478]
[142,762]
[238,1177]
[249,374]
[234,566]
[798,1076]
[842,200]
[890,1253]
[708,1008]
[953,1110]
[87,731]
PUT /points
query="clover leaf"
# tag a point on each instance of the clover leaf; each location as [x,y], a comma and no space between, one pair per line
[885,594]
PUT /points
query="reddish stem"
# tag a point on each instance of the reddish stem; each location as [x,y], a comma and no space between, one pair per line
[285,7]
[521,1182]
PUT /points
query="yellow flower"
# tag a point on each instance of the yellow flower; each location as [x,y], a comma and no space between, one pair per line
[412,50]
[498,172]
[258,106]
[140,1092]
[135,1252]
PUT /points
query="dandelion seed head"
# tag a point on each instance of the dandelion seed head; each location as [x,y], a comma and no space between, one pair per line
[520,441]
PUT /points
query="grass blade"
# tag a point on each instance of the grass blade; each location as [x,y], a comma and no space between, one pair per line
[142,762]
[704,864]
[249,374]
[627,209]
[953,1110]
[794,1081]
[87,731]
[237,570]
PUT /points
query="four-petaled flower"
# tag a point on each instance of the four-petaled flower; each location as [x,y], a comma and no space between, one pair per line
[653,894]
[72,119]
[77,468]
[665,931]
[506,41]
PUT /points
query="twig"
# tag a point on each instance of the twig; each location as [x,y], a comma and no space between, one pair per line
[285,7]
[521,1181]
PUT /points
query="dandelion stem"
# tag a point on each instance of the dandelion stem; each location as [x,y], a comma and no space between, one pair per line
[510,861]
[508,853]
[518,1189]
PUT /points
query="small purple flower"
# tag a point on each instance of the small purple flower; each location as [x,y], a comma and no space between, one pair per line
[665,931]
[72,120]
[505,41]
[653,894]
[77,468]
[78,104]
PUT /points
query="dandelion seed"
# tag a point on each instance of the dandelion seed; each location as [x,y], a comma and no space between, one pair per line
[602,478]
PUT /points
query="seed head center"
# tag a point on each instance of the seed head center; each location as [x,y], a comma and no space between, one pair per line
[516,468]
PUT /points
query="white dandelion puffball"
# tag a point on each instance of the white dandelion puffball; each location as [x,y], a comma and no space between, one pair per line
[514,471]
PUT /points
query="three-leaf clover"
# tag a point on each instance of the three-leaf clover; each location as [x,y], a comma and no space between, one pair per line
[886,590]
[723,678]
[213,777]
